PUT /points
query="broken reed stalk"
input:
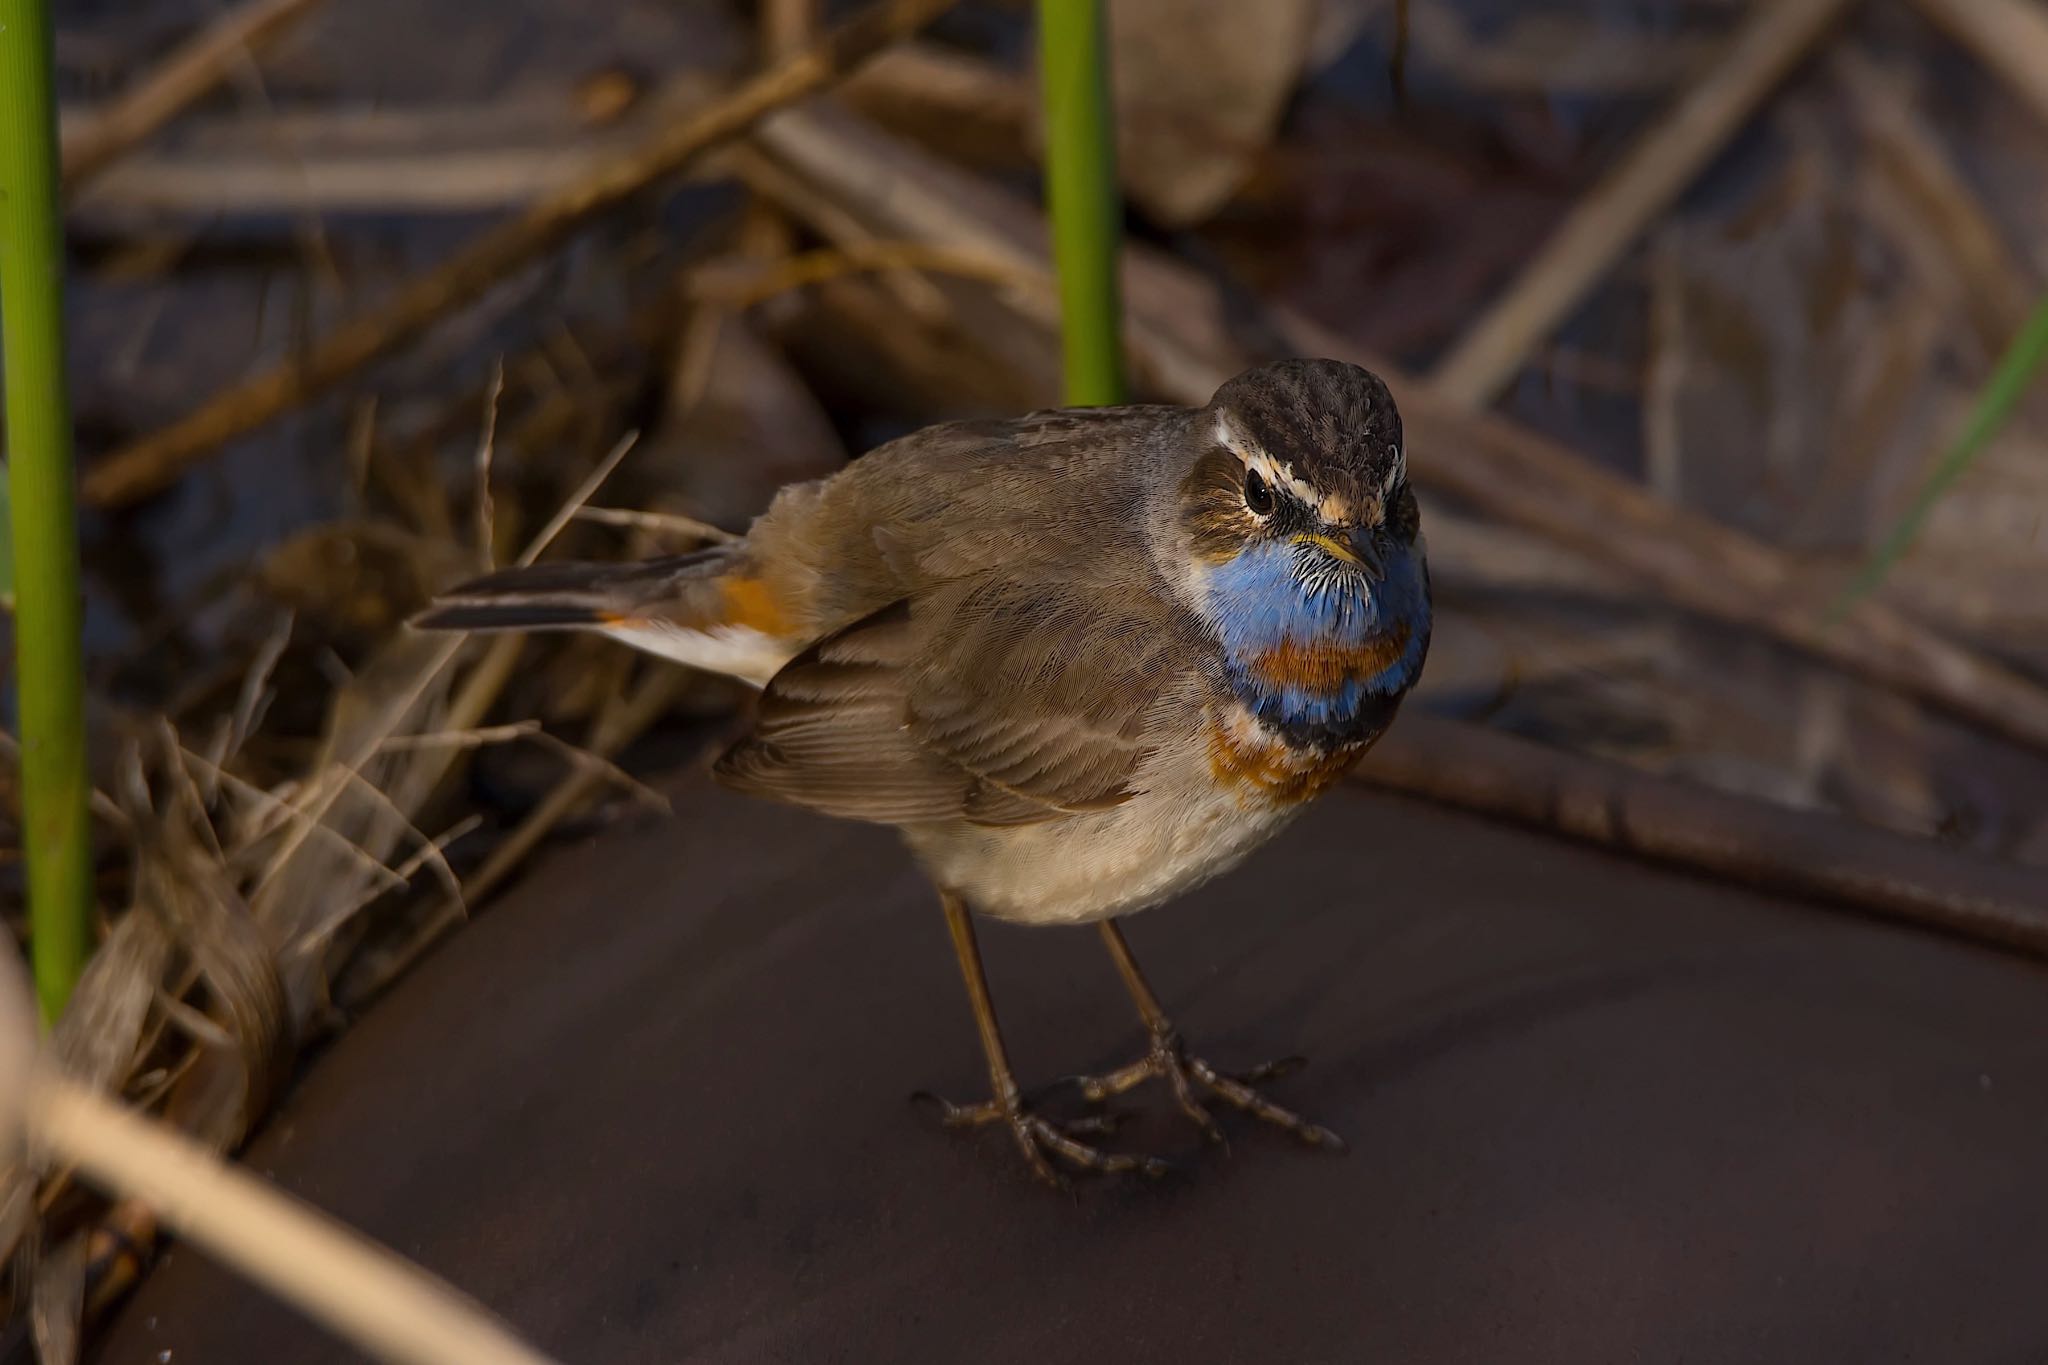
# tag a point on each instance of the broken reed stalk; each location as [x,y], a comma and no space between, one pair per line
[56,833]
[1795,852]
[1656,170]
[1185,341]
[1081,196]
[2009,36]
[362,1291]
[782,27]
[358,1289]
[150,464]
[187,74]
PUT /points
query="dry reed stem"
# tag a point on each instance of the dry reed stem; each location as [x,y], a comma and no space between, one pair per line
[1800,853]
[486,450]
[2009,36]
[186,75]
[203,183]
[1184,344]
[467,825]
[533,731]
[830,263]
[603,768]
[480,688]
[362,1291]
[586,490]
[1967,244]
[424,845]
[623,720]
[784,26]
[670,523]
[620,724]
[317,798]
[252,699]
[148,465]
[284,813]
[627,717]
[1656,170]
[474,738]
[337,777]
[918,296]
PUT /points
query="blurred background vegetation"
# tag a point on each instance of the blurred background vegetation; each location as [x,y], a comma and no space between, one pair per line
[366,295]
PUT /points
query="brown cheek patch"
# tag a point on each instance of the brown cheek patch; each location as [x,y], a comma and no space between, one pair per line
[1270,771]
[749,602]
[1212,507]
[1315,666]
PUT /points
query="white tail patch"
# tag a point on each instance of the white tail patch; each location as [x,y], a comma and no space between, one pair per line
[734,651]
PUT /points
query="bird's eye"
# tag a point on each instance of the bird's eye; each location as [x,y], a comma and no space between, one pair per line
[1257,496]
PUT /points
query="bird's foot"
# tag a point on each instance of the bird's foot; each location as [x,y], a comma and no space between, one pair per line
[1193,1081]
[1041,1138]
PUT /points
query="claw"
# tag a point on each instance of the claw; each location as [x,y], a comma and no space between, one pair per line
[1193,1081]
[1274,1070]
[1037,1136]
[1092,1125]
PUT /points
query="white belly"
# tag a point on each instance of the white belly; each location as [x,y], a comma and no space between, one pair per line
[1181,831]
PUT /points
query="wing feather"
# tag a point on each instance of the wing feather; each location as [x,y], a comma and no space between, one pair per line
[988,701]
[1017,670]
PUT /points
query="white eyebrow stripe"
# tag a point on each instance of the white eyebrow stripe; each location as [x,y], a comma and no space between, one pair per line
[1269,469]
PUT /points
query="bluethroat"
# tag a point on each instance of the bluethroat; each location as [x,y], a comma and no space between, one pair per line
[1083,660]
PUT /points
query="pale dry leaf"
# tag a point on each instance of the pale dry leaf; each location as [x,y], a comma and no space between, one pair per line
[1199,88]
[94,1043]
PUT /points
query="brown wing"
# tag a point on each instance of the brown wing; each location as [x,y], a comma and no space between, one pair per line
[828,733]
[1039,493]
[985,699]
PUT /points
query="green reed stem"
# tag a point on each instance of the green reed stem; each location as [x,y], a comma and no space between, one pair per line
[2017,369]
[56,837]
[1081,193]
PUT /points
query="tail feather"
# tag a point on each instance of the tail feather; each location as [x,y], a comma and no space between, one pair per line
[704,609]
[571,594]
[508,615]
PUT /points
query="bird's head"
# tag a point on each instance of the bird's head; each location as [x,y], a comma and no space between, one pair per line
[1298,530]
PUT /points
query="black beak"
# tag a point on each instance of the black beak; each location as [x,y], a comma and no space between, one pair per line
[1369,543]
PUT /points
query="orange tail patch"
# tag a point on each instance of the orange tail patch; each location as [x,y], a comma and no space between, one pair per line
[751,603]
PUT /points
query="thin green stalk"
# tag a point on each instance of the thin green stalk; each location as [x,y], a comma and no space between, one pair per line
[1081,194]
[2017,369]
[49,669]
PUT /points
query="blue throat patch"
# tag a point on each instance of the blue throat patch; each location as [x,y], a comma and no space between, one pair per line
[1275,597]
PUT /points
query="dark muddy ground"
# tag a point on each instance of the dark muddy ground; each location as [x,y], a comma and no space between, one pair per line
[653,1108]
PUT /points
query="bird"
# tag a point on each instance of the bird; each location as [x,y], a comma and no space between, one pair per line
[1083,660]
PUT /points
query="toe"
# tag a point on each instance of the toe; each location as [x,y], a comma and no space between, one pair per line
[1241,1095]
[1029,1140]
[1315,1135]
[1092,1125]
[958,1115]
[1271,1071]
[1094,1159]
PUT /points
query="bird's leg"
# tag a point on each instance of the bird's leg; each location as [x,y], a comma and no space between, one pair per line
[1191,1078]
[1036,1136]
